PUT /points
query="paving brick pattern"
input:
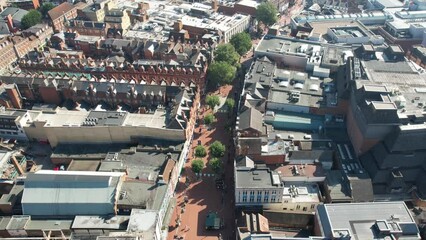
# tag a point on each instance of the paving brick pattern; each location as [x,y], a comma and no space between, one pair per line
[197,196]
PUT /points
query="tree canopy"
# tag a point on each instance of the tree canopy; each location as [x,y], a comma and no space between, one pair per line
[217,149]
[241,42]
[200,151]
[220,73]
[30,19]
[230,103]
[267,13]
[216,164]
[45,8]
[212,101]
[197,165]
[226,53]
[209,119]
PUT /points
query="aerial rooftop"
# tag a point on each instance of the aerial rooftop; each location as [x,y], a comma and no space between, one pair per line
[367,220]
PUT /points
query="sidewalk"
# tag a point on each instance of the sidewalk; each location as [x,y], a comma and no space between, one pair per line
[202,194]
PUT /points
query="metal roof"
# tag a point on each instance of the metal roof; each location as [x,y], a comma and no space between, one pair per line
[47,192]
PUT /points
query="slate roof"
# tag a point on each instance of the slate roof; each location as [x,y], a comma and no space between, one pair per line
[251,118]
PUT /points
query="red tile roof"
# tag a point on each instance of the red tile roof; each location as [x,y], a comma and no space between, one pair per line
[58,11]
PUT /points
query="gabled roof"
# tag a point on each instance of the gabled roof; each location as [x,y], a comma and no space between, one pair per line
[58,11]
[251,118]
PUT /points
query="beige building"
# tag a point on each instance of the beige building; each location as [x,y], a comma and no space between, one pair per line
[96,12]
[118,19]
[63,126]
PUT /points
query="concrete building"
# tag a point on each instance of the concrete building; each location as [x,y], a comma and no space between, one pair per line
[12,124]
[228,26]
[385,119]
[70,193]
[301,54]
[118,20]
[101,127]
[256,185]
[365,221]
[96,11]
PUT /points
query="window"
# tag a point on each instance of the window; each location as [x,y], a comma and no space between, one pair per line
[244,198]
[272,198]
[274,192]
[312,206]
[305,208]
[266,198]
[259,198]
[298,207]
[251,198]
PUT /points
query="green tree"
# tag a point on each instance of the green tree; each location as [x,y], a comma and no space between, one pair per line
[209,119]
[212,101]
[226,53]
[45,8]
[230,103]
[200,151]
[217,149]
[220,73]
[267,13]
[216,165]
[241,42]
[197,165]
[30,19]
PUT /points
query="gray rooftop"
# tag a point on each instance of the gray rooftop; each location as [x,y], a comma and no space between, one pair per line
[141,194]
[358,219]
[18,222]
[258,177]
[40,224]
[16,13]
[143,221]
[47,192]
[100,222]
[107,118]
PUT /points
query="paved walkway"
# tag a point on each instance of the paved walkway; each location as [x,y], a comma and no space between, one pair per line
[201,193]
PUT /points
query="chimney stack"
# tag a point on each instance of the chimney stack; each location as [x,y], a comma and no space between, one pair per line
[178,25]
[215,5]
[9,22]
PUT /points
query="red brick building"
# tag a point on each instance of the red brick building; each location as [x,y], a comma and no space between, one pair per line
[60,14]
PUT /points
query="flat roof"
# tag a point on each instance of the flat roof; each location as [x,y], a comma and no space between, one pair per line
[216,21]
[143,221]
[142,194]
[359,218]
[117,222]
[306,193]
[248,3]
[307,171]
[83,165]
[281,45]
[18,222]
[258,177]
[66,118]
[390,3]
[42,224]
